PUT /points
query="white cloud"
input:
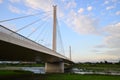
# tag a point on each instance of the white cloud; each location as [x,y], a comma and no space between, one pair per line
[114,52]
[18,11]
[60,13]
[118,13]
[14,9]
[112,39]
[110,7]
[89,8]
[82,23]
[71,4]
[96,58]
[81,10]
[1,1]
[100,46]
[33,6]
[106,2]
[14,1]
[43,5]
[113,29]
[114,0]
[63,0]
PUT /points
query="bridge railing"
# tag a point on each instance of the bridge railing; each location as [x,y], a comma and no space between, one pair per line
[21,37]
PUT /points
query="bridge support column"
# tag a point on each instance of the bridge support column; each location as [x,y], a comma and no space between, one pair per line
[56,67]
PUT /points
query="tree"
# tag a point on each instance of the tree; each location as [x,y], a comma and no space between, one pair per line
[105,62]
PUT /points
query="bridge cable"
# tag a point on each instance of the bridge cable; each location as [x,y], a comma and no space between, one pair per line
[41,32]
[30,24]
[38,27]
[21,17]
[46,37]
[59,35]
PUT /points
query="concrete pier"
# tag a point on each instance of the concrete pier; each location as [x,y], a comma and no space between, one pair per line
[56,67]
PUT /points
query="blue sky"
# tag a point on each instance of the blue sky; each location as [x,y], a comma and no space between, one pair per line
[90,27]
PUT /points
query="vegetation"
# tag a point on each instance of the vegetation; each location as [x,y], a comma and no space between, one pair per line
[22,65]
[106,67]
[102,66]
[78,77]
[65,76]
[13,72]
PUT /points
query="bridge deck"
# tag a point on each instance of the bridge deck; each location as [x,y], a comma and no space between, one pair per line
[14,46]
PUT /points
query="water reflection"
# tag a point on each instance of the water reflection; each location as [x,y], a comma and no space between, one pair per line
[36,70]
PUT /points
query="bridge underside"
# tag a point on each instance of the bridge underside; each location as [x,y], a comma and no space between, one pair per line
[13,52]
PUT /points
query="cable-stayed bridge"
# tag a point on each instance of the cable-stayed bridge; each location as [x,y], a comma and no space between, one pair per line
[16,47]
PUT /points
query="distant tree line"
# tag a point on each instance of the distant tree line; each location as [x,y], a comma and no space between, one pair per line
[101,62]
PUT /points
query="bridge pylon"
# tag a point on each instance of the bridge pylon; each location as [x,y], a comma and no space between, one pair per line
[54,67]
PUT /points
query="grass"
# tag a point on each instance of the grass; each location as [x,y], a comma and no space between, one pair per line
[22,65]
[66,76]
[6,74]
[98,67]
[77,77]
[12,72]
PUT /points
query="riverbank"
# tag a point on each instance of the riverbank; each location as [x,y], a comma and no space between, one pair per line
[13,74]
[25,75]
[79,77]
[98,67]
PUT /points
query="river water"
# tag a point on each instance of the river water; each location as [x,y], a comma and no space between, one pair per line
[36,70]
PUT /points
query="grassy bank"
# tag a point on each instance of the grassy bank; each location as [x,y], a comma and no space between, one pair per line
[13,74]
[98,67]
[21,75]
[78,77]
[25,75]
[22,65]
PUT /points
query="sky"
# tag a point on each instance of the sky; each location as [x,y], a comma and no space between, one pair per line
[90,27]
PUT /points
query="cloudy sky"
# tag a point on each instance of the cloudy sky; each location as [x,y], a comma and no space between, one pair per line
[90,27]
